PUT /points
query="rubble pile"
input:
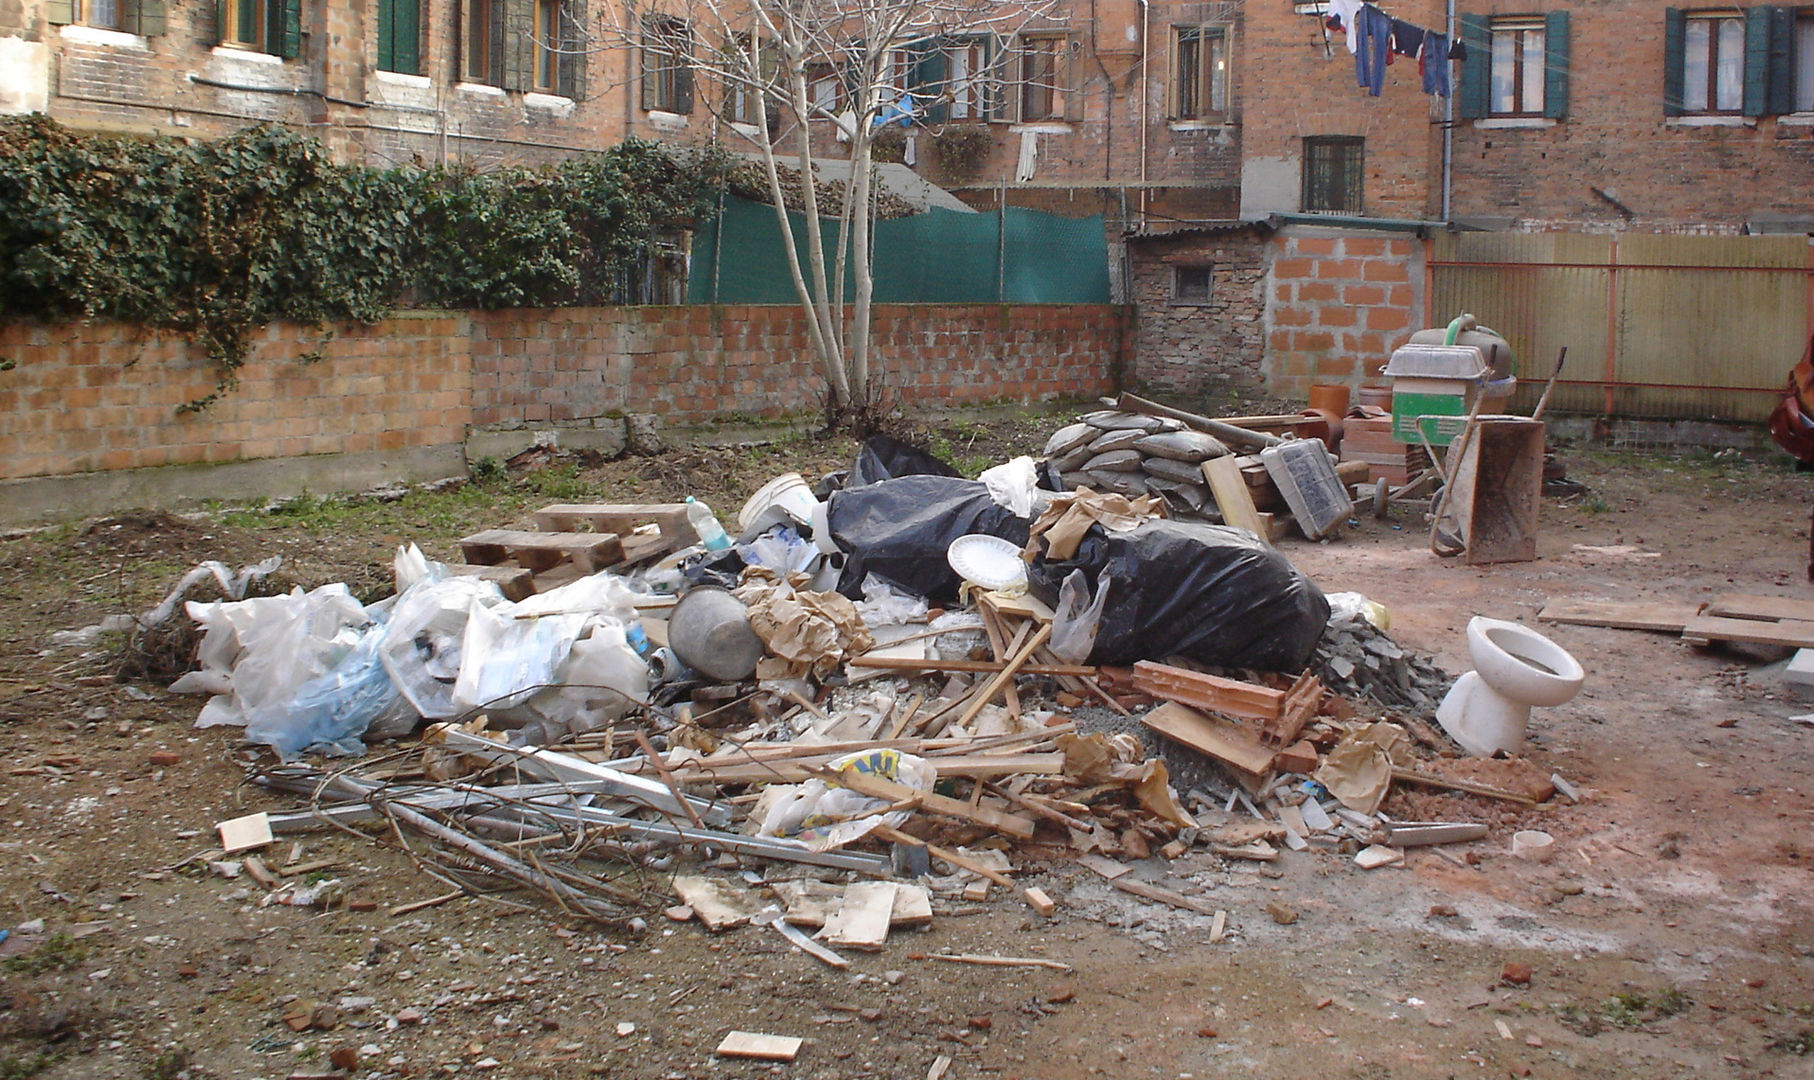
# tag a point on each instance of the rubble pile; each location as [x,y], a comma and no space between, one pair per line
[915,692]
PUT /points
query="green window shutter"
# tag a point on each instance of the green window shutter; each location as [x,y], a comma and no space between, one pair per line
[60,12]
[150,15]
[1475,96]
[572,73]
[652,61]
[1674,27]
[283,34]
[1782,61]
[929,76]
[683,72]
[387,34]
[994,81]
[494,26]
[220,21]
[1757,61]
[406,43]
[1555,65]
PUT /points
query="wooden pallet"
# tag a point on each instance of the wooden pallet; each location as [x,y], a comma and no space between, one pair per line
[623,519]
[1756,620]
[541,551]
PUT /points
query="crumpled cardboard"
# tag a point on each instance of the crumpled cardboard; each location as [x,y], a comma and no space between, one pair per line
[1091,759]
[1358,772]
[1071,515]
[809,632]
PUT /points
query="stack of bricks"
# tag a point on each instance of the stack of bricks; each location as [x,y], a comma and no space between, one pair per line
[1387,459]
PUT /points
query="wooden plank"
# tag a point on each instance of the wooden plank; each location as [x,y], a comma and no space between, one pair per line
[1162,896]
[1231,696]
[1233,498]
[1185,725]
[861,920]
[716,904]
[912,906]
[1005,677]
[514,582]
[913,663]
[1668,616]
[1774,608]
[879,788]
[750,1044]
[1793,634]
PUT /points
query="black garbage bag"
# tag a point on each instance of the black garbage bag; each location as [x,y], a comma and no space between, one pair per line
[886,458]
[1215,594]
[899,530]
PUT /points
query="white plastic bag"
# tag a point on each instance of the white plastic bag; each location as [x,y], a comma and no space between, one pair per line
[422,650]
[512,651]
[1013,484]
[256,653]
[1078,617]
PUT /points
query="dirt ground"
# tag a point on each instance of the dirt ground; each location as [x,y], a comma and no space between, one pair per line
[1671,935]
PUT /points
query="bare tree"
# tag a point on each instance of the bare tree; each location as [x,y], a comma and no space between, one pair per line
[768,69]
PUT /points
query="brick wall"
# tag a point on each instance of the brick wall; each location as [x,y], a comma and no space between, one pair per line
[1337,304]
[1200,348]
[1653,173]
[102,396]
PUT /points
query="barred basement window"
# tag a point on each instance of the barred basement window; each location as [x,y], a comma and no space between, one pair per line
[1333,173]
[1192,284]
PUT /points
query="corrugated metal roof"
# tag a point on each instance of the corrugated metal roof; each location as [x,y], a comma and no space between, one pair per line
[1203,228]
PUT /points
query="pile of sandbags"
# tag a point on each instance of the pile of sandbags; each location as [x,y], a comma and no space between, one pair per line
[1133,454]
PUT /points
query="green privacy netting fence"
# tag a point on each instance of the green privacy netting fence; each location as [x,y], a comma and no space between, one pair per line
[941,256]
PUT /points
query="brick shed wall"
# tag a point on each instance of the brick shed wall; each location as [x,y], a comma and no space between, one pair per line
[103,396]
[1207,348]
[1337,304]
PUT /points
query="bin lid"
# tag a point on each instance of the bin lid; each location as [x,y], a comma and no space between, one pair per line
[1437,362]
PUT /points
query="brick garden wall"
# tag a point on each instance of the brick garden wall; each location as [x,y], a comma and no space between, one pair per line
[103,396]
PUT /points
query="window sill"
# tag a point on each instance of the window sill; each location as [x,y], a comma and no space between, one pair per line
[398,78]
[1200,125]
[553,103]
[1040,127]
[668,121]
[748,131]
[479,88]
[1709,121]
[250,56]
[1191,303]
[95,35]
[1513,123]
[1800,119]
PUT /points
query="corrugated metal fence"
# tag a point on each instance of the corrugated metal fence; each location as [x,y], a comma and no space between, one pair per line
[1703,327]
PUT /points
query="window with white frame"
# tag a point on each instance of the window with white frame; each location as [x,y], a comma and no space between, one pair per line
[1517,67]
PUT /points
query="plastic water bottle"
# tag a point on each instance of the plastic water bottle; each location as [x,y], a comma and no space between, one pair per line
[638,639]
[705,523]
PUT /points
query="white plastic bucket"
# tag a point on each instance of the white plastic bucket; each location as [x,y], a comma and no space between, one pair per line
[786,497]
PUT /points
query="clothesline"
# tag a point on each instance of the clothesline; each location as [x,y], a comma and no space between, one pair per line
[1375,37]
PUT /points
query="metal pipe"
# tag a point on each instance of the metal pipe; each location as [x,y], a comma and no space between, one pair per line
[1141,83]
[1448,120]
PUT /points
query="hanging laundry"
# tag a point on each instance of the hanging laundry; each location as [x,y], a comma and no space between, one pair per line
[1341,17]
[1458,50]
[1373,34]
[1433,64]
[1407,40]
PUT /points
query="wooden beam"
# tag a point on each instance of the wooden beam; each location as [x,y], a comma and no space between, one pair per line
[877,787]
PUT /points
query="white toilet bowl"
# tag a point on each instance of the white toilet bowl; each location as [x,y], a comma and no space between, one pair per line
[1515,668]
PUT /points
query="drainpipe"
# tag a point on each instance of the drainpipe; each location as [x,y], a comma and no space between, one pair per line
[1140,82]
[1448,122]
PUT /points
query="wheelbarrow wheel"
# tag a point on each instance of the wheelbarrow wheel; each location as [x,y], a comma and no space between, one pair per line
[1382,499]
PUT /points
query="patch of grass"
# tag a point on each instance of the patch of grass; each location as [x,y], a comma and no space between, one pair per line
[1594,504]
[60,952]
[1801,1044]
[24,1066]
[168,1064]
[1631,1009]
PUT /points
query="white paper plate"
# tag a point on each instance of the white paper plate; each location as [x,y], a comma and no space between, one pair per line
[988,561]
